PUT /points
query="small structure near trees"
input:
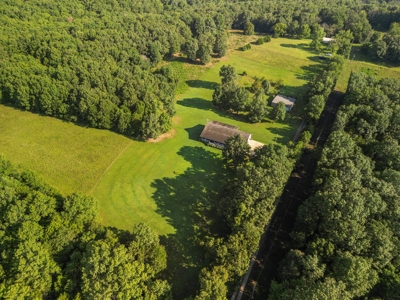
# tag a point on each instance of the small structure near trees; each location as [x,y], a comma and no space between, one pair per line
[216,133]
[288,101]
[327,40]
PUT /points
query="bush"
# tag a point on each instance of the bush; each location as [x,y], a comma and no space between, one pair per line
[246,47]
[260,41]
[267,39]
[244,73]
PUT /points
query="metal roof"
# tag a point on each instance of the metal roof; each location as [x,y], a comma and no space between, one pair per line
[219,132]
[285,99]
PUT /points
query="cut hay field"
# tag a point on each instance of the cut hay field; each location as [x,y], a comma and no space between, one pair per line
[68,157]
[171,184]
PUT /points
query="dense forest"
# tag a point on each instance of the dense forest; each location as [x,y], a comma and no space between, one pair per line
[345,243]
[97,62]
[52,247]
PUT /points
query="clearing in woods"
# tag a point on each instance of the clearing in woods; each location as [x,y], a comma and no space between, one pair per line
[172,184]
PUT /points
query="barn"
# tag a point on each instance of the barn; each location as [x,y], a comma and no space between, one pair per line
[216,133]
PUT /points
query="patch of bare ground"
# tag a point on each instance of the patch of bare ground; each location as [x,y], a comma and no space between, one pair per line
[176,120]
[168,135]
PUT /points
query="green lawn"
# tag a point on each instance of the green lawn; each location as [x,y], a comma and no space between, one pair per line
[171,185]
[69,157]
[126,192]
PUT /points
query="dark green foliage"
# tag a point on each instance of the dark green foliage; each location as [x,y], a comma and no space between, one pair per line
[321,87]
[236,151]
[220,45]
[53,245]
[246,47]
[260,85]
[227,74]
[204,54]
[278,113]
[230,96]
[267,38]
[248,29]
[91,65]
[349,224]
[279,29]
[317,34]
[260,41]
[343,43]
[191,49]
[258,108]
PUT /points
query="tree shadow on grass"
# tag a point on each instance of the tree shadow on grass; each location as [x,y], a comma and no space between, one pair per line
[303,46]
[195,131]
[282,135]
[199,103]
[202,84]
[189,202]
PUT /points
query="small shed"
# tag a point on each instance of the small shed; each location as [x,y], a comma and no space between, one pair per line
[216,133]
[327,40]
[288,101]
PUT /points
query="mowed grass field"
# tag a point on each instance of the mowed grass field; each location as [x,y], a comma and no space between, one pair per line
[68,157]
[125,192]
[170,184]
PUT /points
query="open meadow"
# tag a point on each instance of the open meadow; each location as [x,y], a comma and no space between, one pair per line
[171,183]
[359,62]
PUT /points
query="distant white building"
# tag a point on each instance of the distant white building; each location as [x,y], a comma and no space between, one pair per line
[288,101]
[327,40]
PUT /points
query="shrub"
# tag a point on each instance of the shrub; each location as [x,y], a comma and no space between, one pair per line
[246,47]
[260,41]
[267,39]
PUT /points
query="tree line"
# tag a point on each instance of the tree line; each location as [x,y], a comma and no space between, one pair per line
[345,242]
[53,247]
[322,86]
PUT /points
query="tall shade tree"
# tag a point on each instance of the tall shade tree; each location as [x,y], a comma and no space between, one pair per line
[227,74]
[343,41]
[278,112]
[220,45]
[248,28]
[213,284]
[258,108]
[191,48]
[236,151]
[279,29]
[317,34]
